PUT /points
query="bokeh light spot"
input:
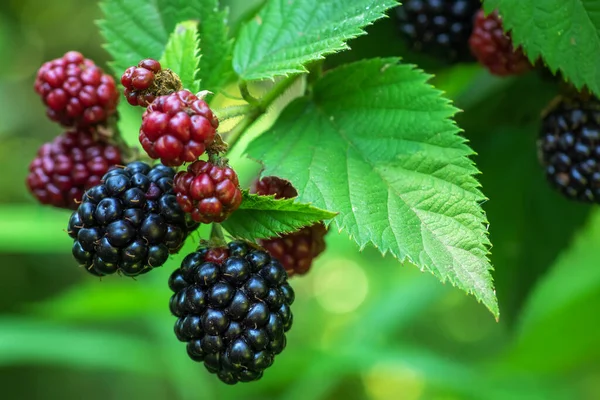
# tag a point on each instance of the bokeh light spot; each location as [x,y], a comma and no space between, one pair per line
[340,286]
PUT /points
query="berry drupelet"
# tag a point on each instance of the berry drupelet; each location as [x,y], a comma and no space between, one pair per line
[177,128]
[438,27]
[233,308]
[129,223]
[494,49]
[297,250]
[209,192]
[76,92]
[569,148]
[64,168]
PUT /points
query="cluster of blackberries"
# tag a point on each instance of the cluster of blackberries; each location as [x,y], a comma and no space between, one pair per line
[458,30]
[232,301]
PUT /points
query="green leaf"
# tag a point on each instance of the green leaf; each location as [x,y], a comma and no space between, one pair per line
[262,217]
[566,33]
[140,29]
[564,305]
[288,34]
[385,153]
[182,54]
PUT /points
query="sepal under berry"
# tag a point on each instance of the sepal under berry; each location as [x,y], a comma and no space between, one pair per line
[147,81]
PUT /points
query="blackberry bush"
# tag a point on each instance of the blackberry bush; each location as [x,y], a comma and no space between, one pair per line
[73,162]
[129,223]
[297,250]
[233,308]
[494,49]
[438,27]
[569,148]
[76,92]
[177,128]
[209,192]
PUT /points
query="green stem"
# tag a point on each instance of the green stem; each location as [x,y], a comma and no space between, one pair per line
[260,109]
[216,235]
[233,112]
[245,92]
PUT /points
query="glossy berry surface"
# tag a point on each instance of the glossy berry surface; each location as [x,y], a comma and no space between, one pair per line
[296,251]
[494,49]
[233,309]
[64,168]
[208,192]
[129,223]
[569,148]
[138,80]
[177,128]
[438,27]
[76,92]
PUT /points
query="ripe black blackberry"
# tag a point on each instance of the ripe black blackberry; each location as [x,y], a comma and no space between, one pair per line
[233,305]
[129,223]
[439,27]
[569,148]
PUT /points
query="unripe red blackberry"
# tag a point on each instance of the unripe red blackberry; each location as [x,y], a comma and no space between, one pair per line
[177,128]
[210,193]
[297,250]
[438,27]
[569,148]
[147,81]
[129,223]
[233,309]
[64,168]
[76,91]
[494,49]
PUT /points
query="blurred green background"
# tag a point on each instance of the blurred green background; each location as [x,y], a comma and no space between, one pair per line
[365,326]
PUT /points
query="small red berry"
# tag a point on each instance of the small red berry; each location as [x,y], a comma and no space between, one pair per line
[177,128]
[64,168]
[209,192]
[139,82]
[297,250]
[76,92]
[494,49]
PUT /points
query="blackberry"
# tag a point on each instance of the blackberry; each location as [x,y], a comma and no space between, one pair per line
[208,191]
[129,223]
[297,250]
[76,91]
[569,148]
[64,168]
[177,128]
[148,80]
[439,27]
[494,49]
[233,309]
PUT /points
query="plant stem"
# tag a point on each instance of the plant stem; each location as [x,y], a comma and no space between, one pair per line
[259,109]
[253,101]
[216,234]
[233,111]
